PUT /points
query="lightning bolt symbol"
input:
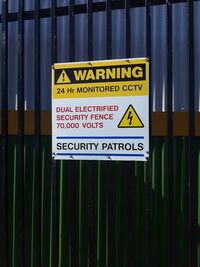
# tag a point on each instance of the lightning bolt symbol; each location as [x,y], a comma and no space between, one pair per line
[130,118]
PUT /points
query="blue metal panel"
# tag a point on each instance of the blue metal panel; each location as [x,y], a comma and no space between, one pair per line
[180,57]
[138,32]
[12,65]
[29,64]
[81,37]
[63,39]
[119,34]
[44,3]
[158,60]
[197,54]
[45,63]
[99,43]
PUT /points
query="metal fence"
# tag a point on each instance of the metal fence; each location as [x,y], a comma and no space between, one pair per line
[72,213]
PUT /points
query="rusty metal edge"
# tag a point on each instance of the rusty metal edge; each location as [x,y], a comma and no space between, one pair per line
[159,123]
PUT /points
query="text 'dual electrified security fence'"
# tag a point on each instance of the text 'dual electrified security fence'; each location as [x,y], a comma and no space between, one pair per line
[99,213]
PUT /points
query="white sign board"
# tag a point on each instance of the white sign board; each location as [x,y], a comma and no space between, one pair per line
[100,110]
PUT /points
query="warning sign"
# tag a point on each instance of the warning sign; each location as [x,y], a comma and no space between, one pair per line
[100,110]
[63,78]
[130,119]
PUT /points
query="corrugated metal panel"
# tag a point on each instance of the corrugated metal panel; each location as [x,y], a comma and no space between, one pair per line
[159,48]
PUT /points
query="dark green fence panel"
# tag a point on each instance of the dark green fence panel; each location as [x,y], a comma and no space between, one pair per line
[125,227]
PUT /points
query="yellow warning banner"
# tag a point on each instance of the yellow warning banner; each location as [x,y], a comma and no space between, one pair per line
[126,72]
[101,79]
[101,71]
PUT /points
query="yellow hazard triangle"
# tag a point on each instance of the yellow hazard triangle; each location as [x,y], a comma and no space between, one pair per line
[130,119]
[63,78]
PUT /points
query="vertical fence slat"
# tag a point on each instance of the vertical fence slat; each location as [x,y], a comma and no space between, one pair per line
[38,176]
[109,29]
[71,31]
[4,198]
[90,30]
[191,153]
[149,163]
[91,232]
[170,158]
[73,165]
[129,180]
[20,218]
[128,28]
[91,168]
[71,185]
[54,242]
[109,165]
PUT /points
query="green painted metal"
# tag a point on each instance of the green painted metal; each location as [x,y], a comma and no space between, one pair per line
[124,185]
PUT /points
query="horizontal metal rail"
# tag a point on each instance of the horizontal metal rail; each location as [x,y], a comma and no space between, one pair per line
[82,8]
